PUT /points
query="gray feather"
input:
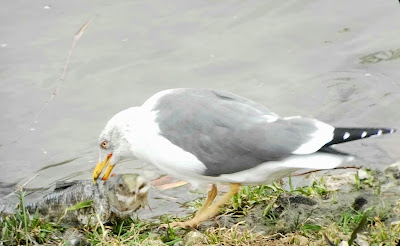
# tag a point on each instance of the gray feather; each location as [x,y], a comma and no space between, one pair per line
[226,132]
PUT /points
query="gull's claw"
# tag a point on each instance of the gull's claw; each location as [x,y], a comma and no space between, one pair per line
[192,224]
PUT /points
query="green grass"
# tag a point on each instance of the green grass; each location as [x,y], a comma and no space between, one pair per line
[129,232]
[317,188]
[249,196]
[23,228]
[358,184]
[350,219]
[352,223]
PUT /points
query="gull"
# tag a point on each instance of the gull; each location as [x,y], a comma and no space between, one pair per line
[207,136]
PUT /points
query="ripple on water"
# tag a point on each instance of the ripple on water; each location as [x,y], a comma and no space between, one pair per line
[351,98]
[380,56]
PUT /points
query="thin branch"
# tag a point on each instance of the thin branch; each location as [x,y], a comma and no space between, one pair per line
[21,187]
[318,170]
[328,241]
[77,36]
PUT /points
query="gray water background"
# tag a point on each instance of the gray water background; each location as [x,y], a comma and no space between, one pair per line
[334,60]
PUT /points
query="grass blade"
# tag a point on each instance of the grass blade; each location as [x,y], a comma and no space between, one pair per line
[80,205]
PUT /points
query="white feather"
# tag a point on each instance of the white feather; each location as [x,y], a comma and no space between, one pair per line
[319,138]
[150,103]
[270,118]
[292,117]
[273,170]
[145,142]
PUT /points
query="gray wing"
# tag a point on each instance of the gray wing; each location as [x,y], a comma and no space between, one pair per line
[229,133]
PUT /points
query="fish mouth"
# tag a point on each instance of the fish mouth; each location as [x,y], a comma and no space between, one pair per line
[100,166]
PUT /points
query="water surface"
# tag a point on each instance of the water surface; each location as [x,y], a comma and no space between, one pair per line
[335,60]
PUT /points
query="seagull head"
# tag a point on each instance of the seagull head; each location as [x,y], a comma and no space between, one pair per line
[114,142]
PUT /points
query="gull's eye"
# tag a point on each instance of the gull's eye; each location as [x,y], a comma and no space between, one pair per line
[104,144]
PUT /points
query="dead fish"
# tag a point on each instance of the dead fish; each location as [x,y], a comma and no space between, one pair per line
[118,197]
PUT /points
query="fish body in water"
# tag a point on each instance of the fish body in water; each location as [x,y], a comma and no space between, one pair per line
[118,197]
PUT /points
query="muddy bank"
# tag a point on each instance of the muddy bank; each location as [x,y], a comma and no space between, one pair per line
[337,201]
[344,207]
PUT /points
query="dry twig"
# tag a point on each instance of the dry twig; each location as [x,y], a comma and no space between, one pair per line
[77,36]
[21,187]
[318,170]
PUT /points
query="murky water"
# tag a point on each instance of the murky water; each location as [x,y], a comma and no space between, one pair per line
[335,60]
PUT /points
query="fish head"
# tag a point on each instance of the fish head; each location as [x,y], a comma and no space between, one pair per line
[128,192]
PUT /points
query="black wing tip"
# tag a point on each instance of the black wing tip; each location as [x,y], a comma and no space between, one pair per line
[330,150]
[386,130]
[342,135]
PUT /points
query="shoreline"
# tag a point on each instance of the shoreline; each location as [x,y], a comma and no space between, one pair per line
[358,207]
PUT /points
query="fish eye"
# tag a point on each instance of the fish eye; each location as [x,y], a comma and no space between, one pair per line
[104,144]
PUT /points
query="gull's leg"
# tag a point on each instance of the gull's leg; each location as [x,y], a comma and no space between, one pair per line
[210,198]
[205,213]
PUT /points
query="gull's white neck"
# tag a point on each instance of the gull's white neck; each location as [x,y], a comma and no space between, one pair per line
[140,128]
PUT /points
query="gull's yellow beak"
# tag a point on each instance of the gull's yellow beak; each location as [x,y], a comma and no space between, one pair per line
[100,166]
